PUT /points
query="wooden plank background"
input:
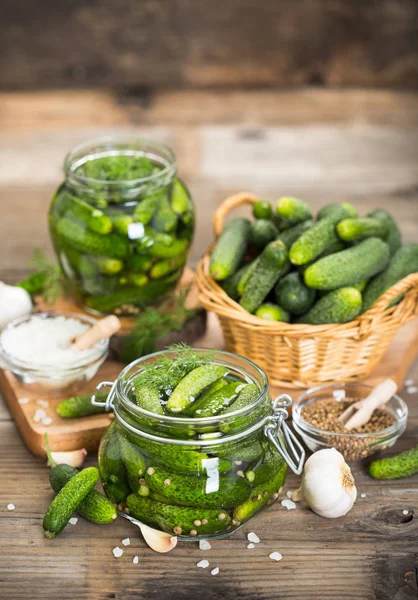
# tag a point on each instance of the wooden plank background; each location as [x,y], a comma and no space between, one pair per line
[173,43]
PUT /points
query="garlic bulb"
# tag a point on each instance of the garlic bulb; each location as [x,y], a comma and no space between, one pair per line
[327,484]
[14,302]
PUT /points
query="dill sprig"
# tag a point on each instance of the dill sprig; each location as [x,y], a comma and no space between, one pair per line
[46,280]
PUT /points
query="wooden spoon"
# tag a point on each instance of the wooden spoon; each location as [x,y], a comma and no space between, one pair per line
[360,412]
[102,329]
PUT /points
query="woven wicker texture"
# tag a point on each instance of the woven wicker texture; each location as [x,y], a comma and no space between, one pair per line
[306,355]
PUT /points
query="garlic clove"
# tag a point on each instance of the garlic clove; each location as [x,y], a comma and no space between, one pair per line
[159,541]
[74,458]
[15,302]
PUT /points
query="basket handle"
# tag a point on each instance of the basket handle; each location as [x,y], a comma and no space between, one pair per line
[228,205]
[402,286]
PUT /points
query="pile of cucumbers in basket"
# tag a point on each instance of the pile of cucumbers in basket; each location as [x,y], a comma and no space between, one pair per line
[288,265]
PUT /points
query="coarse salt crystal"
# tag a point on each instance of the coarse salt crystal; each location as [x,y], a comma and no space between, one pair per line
[251,546]
[11,506]
[39,415]
[289,504]
[289,494]
[135,560]
[204,545]
[409,382]
[23,400]
[413,389]
[275,556]
[46,421]
[43,403]
[117,552]
[405,512]
[362,495]
[126,541]
[73,520]
[215,571]
[203,564]
[253,537]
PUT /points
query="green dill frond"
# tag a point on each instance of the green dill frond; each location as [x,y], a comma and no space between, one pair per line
[46,280]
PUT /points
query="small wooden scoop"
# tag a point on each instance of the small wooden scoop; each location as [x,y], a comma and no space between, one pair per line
[360,412]
[102,329]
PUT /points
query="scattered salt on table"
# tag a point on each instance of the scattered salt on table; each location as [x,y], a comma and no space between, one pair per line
[409,382]
[117,552]
[252,537]
[250,546]
[204,545]
[126,541]
[362,495]
[203,564]
[275,556]
[23,400]
[413,389]
[39,415]
[405,512]
[43,403]
[289,504]
[215,571]
[135,560]
[73,520]
[11,506]
[46,421]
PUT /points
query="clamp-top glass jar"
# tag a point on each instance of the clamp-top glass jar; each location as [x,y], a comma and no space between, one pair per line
[196,477]
[121,224]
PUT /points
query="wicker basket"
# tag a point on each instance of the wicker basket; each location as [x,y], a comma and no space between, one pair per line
[306,355]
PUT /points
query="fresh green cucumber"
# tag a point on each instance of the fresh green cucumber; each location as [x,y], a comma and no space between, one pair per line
[162,250]
[293,295]
[141,296]
[136,279]
[165,219]
[139,262]
[272,262]
[180,520]
[167,266]
[81,406]
[339,306]
[230,285]
[262,209]
[265,470]
[146,209]
[394,237]
[361,285]
[111,245]
[94,507]
[403,263]
[246,275]
[229,249]
[94,218]
[261,495]
[337,246]
[400,465]
[192,385]
[109,266]
[132,458]
[350,266]
[292,211]
[262,232]
[246,450]
[289,236]
[345,210]
[359,228]
[147,396]
[180,198]
[67,500]
[195,491]
[246,397]
[203,398]
[112,470]
[313,242]
[121,222]
[219,400]
[272,312]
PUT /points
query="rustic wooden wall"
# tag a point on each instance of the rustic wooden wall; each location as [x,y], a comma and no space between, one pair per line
[160,43]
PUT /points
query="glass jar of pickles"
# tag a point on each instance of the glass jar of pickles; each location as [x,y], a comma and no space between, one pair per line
[121,224]
[196,447]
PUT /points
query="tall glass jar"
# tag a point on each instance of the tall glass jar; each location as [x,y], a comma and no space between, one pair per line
[196,478]
[121,224]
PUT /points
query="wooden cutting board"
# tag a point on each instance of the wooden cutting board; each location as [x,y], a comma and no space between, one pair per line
[73,434]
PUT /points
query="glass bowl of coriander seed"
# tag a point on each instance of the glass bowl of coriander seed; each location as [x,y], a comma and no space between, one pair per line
[316,419]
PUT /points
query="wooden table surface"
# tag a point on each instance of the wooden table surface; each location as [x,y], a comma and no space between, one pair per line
[322,145]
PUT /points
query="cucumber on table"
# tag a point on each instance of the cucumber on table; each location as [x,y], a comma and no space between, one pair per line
[180,520]
[313,242]
[394,237]
[272,312]
[194,491]
[403,263]
[359,228]
[81,406]
[262,209]
[67,500]
[229,249]
[192,385]
[262,232]
[400,465]
[349,266]
[292,211]
[338,306]
[293,295]
[270,267]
